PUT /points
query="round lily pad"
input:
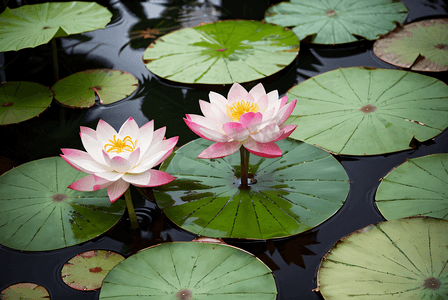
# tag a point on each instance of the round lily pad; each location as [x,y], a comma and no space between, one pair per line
[337,22]
[417,187]
[398,259]
[222,53]
[38,211]
[368,111]
[420,46]
[87,270]
[190,270]
[32,25]
[24,290]
[78,90]
[288,195]
[21,100]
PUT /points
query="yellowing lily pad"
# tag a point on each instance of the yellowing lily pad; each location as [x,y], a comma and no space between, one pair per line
[288,195]
[21,100]
[222,53]
[32,25]
[417,187]
[190,270]
[87,270]
[420,46]
[368,111]
[38,211]
[78,90]
[394,260]
[338,21]
[21,291]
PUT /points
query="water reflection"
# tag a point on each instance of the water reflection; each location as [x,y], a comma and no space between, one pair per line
[42,136]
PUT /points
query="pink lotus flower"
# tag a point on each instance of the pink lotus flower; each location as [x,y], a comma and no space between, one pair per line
[116,160]
[251,119]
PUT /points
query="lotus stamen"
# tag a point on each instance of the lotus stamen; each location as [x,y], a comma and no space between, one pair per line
[239,108]
[119,146]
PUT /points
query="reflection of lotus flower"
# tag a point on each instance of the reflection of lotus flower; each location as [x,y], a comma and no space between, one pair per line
[253,120]
[116,160]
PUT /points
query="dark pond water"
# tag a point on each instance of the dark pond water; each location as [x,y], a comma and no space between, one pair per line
[295,259]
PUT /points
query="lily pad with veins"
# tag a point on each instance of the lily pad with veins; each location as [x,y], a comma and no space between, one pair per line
[190,270]
[368,111]
[79,90]
[417,187]
[420,46]
[400,259]
[338,21]
[87,270]
[21,100]
[288,195]
[29,26]
[222,53]
[24,290]
[38,212]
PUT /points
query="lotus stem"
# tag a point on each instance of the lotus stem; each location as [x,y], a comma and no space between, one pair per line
[54,49]
[131,210]
[244,167]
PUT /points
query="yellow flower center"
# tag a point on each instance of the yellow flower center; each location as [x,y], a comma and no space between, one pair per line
[119,146]
[238,108]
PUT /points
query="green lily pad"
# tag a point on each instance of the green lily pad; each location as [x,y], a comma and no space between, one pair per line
[399,259]
[38,212]
[190,270]
[288,195]
[24,290]
[420,46]
[32,25]
[222,53]
[417,187]
[338,21]
[78,90]
[87,270]
[368,111]
[21,100]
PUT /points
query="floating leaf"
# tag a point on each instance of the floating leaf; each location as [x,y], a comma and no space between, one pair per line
[20,291]
[338,21]
[367,111]
[190,270]
[87,270]
[20,101]
[78,90]
[398,259]
[417,187]
[38,211]
[288,195]
[421,46]
[222,53]
[32,25]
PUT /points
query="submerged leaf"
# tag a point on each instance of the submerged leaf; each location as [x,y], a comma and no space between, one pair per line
[338,21]
[417,187]
[421,46]
[222,53]
[368,111]
[287,195]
